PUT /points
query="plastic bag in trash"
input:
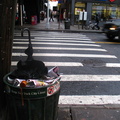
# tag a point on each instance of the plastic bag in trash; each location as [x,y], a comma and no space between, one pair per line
[29,70]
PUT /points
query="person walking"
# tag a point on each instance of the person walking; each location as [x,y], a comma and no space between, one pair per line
[51,16]
[96,26]
[97,19]
[42,15]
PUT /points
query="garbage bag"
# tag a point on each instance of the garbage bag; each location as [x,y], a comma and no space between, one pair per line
[33,69]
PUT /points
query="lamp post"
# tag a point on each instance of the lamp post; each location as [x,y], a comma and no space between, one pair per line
[47,24]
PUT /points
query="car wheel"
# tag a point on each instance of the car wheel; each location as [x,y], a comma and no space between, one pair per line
[109,36]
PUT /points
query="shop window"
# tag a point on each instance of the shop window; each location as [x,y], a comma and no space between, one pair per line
[106,11]
[79,6]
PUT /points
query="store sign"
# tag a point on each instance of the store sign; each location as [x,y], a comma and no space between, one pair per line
[79,4]
[112,0]
[83,15]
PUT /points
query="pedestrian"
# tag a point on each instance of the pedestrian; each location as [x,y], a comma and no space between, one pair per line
[64,15]
[61,17]
[96,26]
[42,15]
[58,15]
[51,16]
[97,19]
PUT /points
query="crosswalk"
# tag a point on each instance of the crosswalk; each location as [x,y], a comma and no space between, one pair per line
[89,72]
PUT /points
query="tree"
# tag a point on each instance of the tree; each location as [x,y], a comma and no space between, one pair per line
[7,22]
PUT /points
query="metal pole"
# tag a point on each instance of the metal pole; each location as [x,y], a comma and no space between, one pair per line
[47,24]
[59,17]
[72,12]
[82,19]
[21,15]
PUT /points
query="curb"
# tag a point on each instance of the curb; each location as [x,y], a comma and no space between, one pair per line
[108,106]
[62,30]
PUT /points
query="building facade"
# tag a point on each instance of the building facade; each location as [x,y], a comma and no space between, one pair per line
[106,9]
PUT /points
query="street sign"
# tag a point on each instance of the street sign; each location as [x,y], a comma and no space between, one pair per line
[83,15]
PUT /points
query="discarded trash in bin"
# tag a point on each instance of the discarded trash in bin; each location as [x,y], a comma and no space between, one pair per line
[52,76]
[32,90]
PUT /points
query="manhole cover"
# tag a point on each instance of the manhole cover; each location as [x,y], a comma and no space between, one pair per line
[93,63]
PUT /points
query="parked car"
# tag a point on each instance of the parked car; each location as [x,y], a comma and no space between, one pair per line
[112,28]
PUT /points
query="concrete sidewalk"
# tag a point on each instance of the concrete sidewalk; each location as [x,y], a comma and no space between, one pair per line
[89,112]
[55,26]
[77,112]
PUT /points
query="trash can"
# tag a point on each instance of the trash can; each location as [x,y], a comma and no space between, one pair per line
[33,20]
[67,24]
[40,103]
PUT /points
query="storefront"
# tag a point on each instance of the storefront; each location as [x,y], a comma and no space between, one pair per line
[106,9]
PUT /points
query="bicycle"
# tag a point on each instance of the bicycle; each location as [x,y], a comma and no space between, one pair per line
[92,26]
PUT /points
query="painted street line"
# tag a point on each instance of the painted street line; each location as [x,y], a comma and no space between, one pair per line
[90,77]
[66,55]
[56,63]
[54,40]
[89,99]
[61,48]
[109,42]
[112,65]
[67,44]
[71,64]
[60,35]
[71,38]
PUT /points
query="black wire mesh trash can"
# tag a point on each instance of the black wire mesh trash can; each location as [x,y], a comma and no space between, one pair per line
[67,24]
[32,103]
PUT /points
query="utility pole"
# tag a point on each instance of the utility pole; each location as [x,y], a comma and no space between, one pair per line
[7,22]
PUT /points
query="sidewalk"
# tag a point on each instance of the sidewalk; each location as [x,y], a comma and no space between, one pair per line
[89,112]
[55,26]
[77,112]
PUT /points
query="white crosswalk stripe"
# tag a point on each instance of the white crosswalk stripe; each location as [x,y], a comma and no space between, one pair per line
[72,64]
[61,48]
[90,78]
[57,64]
[55,40]
[70,43]
[89,99]
[66,55]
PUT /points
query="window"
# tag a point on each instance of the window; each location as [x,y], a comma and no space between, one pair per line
[106,11]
